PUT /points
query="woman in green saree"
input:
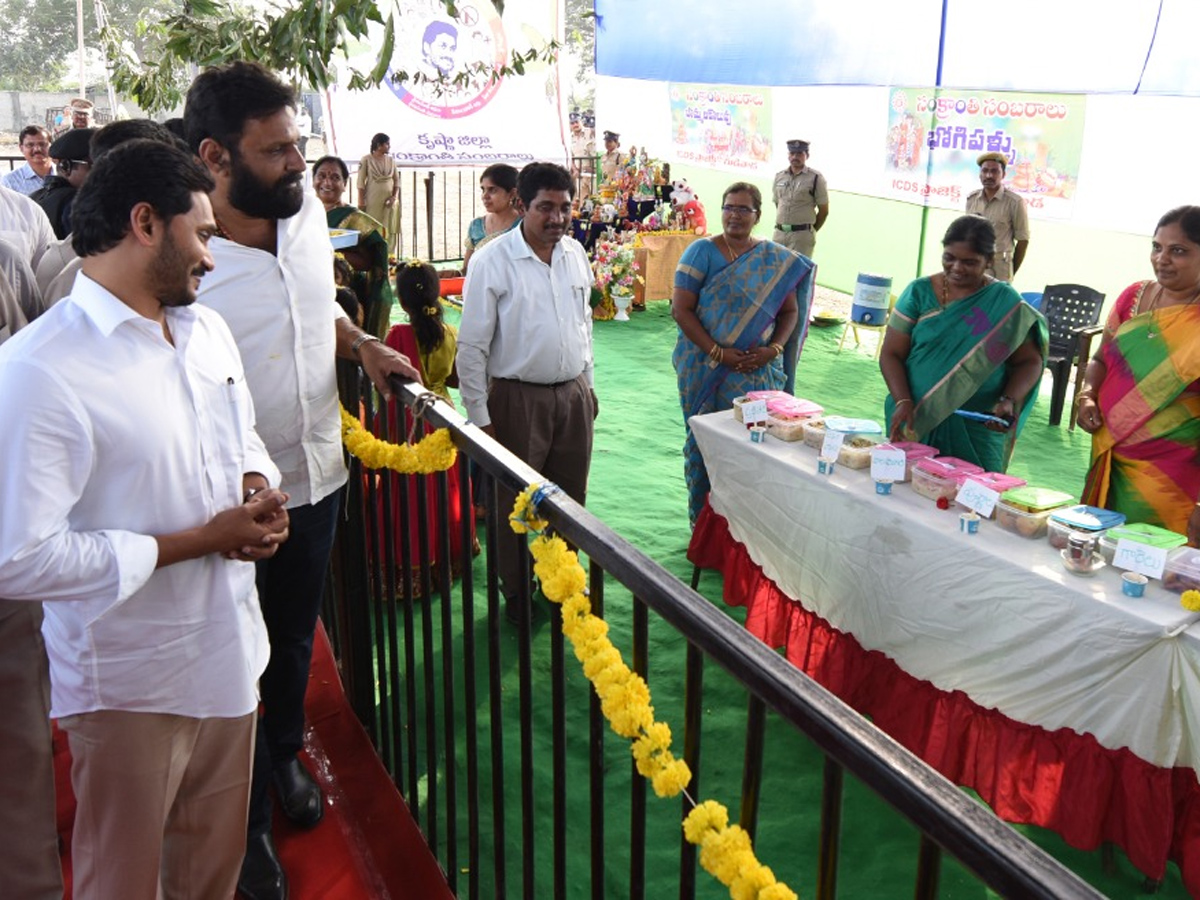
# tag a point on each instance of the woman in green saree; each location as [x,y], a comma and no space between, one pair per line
[369,258]
[962,340]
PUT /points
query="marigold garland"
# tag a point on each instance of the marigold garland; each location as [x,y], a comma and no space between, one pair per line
[434,453]
[725,851]
[1190,600]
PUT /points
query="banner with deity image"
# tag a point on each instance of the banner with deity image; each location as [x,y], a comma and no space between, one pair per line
[467,117]
[721,127]
[934,137]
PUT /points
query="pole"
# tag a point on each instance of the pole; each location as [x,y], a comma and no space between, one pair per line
[929,156]
[79,40]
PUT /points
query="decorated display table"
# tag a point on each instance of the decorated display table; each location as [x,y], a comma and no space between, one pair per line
[658,254]
[1062,702]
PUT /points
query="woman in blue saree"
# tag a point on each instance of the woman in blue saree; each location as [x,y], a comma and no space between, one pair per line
[737,301]
[962,340]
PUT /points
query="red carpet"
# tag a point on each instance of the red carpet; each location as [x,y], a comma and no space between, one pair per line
[367,847]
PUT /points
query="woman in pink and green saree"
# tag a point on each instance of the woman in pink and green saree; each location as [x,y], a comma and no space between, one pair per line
[1141,397]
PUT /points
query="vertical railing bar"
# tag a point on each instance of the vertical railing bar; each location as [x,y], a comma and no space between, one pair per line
[558,728]
[829,846]
[427,669]
[637,787]
[525,679]
[470,698]
[693,707]
[495,695]
[390,490]
[379,497]
[410,655]
[752,765]
[596,729]
[449,741]
[374,594]
[929,864]
[429,192]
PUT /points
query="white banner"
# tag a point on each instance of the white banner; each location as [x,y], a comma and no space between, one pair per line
[516,119]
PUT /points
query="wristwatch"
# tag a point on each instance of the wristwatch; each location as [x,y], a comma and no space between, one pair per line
[364,338]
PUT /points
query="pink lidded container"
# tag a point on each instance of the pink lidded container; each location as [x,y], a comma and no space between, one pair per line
[998,482]
[913,453]
[941,476]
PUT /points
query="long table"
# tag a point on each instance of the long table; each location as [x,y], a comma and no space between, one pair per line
[1061,701]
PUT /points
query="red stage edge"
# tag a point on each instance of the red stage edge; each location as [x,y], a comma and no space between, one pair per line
[1060,780]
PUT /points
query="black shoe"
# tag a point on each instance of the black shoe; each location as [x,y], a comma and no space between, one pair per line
[299,794]
[262,875]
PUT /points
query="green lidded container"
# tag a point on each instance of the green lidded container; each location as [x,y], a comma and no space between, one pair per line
[1036,499]
[1151,535]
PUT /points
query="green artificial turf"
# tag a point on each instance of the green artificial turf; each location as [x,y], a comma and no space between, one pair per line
[637,488]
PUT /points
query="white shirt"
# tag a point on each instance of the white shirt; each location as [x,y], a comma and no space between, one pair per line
[24,223]
[523,319]
[109,435]
[53,261]
[281,310]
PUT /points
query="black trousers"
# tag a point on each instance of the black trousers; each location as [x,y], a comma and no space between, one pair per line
[290,587]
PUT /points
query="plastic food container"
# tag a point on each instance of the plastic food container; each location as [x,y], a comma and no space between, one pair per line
[856,451]
[853,426]
[814,433]
[786,427]
[941,476]
[998,482]
[796,407]
[1026,510]
[1182,572]
[913,454]
[1090,521]
[1152,535]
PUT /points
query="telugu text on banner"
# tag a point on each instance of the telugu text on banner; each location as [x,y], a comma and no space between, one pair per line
[934,137]
[721,127]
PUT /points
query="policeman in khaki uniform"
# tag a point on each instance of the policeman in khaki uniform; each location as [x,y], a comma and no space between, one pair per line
[1005,210]
[801,198]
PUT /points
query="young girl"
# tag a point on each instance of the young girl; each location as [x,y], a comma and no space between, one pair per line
[431,344]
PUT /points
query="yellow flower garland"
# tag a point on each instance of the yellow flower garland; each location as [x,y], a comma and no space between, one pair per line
[435,452]
[1190,600]
[725,851]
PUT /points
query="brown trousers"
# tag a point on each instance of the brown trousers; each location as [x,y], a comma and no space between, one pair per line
[161,799]
[549,427]
[29,866]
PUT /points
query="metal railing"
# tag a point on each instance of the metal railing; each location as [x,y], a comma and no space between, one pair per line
[425,676]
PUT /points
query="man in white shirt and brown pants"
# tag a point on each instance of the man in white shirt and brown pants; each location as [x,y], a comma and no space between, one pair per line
[525,348]
[137,494]
[273,284]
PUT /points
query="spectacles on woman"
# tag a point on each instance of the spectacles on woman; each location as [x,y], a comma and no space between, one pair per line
[739,210]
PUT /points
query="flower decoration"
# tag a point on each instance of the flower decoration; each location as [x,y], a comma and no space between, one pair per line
[725,851]
[435,453]
[615,264]
[1190,600]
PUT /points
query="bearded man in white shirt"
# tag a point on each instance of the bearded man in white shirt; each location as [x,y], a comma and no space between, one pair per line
[137,495]
[525,349]
[274,285]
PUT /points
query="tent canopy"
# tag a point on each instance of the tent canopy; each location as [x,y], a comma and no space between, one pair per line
[1065,46]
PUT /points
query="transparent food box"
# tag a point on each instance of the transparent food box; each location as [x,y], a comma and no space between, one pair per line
[1142,533]
[913,454]
[1026,510]
[1182,572]
[1088,521]
[941,476]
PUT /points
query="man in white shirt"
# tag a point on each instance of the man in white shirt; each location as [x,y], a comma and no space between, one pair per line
[35,147]
[273,284]
[23,223]
[137,494]
[525,348]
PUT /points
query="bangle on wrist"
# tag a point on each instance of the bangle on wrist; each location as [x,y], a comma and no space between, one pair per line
[905,400]
[356,347]
[777,348]
[250,492]
[716,352]
[1004,397]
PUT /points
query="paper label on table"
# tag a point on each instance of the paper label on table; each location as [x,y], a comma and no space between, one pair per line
[975,496]
[832,445]
[1140,558]
[754,411]
[888,464]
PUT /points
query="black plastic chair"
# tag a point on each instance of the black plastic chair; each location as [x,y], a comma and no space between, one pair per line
[1069,310]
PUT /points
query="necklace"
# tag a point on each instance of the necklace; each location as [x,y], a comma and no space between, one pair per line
[1154,330]
[729,253]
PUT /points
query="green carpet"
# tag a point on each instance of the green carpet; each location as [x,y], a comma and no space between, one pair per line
[637,488]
